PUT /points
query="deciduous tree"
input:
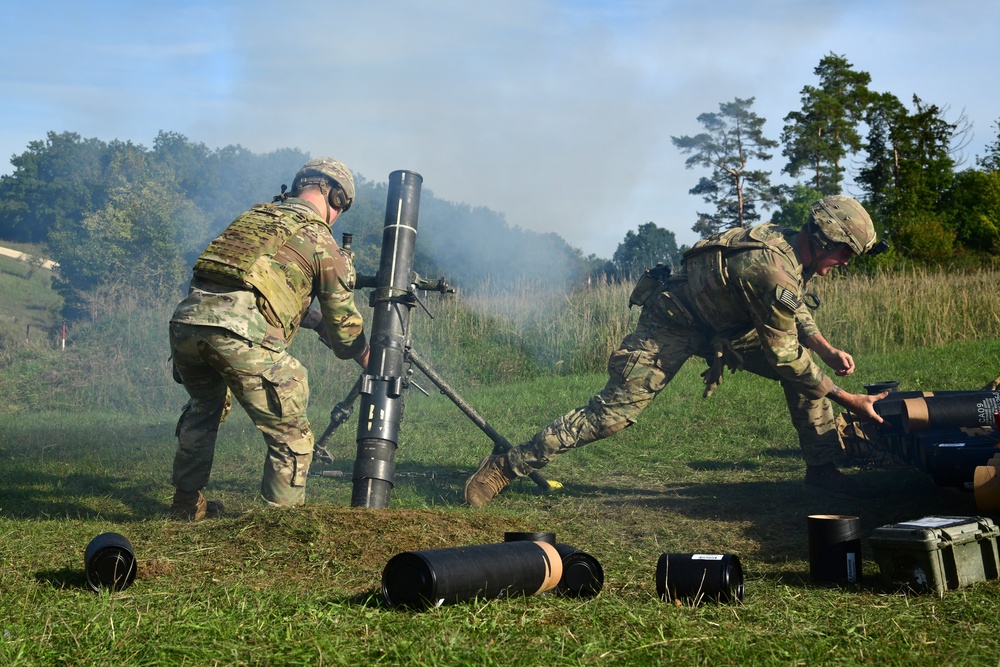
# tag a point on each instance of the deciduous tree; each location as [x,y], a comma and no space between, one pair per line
[645,248]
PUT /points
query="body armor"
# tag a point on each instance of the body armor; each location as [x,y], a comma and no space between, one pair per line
[243,256]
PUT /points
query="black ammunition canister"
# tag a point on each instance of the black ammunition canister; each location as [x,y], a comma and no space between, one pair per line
[424,579]
[109,562]
[834,548]
[974,408]
[582,574]
[700,576]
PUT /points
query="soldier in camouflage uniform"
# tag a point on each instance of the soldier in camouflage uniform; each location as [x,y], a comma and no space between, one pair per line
[737,302]
[251,292]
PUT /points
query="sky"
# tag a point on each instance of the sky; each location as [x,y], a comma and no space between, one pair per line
[556,113]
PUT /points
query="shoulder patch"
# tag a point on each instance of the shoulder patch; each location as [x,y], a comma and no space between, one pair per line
[787,297]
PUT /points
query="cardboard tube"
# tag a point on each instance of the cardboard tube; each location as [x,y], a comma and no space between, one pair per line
[553,566]
[915,416]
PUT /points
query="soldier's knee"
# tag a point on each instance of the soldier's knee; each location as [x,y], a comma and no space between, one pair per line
[608,429]
[286,472]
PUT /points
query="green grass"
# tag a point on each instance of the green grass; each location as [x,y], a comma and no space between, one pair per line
[303,586]
[86,444]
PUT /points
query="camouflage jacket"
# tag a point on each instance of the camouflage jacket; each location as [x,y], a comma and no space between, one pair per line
[747,285]
[259,276]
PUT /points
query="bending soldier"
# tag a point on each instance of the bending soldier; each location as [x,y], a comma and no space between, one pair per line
[737,302]
[251,289]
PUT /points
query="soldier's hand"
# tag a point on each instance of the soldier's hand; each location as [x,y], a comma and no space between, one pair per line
[861,405]
[841,362]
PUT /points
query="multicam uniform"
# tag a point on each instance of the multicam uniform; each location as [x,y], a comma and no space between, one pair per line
[251,288]
[738,302]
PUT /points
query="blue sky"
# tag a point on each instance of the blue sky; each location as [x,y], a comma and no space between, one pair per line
[557,113]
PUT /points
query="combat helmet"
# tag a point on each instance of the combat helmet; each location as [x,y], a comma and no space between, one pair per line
[842,219]
[320,171]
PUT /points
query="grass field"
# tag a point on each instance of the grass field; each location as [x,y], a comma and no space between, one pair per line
[86,441]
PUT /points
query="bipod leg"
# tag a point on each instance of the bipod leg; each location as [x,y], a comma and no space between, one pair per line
[500,443]
[341,413]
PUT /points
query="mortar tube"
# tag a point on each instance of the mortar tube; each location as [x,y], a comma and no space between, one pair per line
[382,385]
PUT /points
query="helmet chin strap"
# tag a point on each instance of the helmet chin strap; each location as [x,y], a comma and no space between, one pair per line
[325,188]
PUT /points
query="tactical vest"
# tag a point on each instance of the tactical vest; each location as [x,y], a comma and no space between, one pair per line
[709,288]
[242,256]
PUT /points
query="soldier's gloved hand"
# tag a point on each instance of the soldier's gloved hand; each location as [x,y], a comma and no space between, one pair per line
[713,375]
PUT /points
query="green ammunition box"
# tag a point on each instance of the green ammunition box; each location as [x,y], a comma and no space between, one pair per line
[937,553]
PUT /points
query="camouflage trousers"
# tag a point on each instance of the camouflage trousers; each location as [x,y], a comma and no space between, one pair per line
[638,371]
[272,387]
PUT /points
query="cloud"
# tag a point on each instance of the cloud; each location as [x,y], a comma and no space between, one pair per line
[558,114]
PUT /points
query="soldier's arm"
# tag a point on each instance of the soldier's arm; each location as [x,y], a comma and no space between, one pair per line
[342,322]
[773,297]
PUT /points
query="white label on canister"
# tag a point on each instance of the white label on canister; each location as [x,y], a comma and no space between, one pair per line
[951,444]
[707,556]
[852,573]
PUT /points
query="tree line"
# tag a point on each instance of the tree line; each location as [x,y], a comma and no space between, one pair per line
[121,212]
[909,177]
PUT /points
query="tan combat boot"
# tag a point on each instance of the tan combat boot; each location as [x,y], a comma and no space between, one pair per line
[192,506]
[493,476]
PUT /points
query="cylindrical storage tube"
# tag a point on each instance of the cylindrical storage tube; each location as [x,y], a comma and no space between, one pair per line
[716,577]
[109,562]
[583,576]
[937,412]
[423,579]
[890,408]
[834,548]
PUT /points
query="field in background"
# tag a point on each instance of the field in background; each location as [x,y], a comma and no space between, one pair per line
[118,359]
[86,440]
[29,306]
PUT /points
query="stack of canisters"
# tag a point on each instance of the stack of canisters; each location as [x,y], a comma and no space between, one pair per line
[947,434]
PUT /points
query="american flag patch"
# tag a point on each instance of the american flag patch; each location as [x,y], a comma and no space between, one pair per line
[787,298]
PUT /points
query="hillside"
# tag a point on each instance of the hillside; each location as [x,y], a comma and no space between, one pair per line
[28,305]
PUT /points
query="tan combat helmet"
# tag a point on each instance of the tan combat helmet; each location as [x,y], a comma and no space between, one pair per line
[841,219]
[319,171]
